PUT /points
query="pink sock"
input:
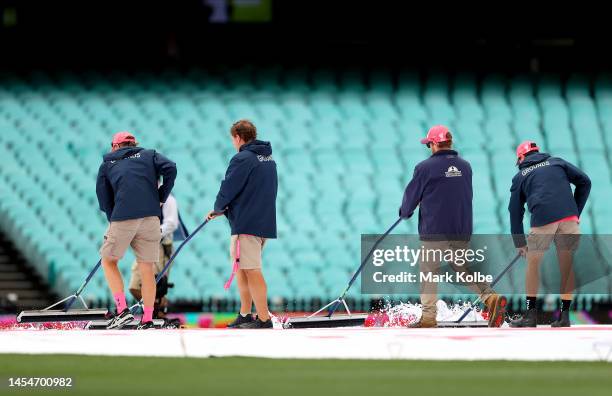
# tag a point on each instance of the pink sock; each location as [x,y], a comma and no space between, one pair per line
[147,315]
[120,301]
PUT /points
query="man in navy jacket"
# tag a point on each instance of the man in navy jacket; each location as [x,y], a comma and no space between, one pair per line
[544,183]
[442,188]
[128,193]
[248,198]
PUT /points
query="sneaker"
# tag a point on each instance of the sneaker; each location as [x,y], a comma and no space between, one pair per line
[530,319]
[240,320]
[146,326]
[118,321]
[563,321]
[496,306]
[171,323]
[257,324]
[425,322]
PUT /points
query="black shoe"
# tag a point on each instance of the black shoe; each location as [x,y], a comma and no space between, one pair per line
[240,320]
[563,321]
[118,321]
[257,324]
[530,319]
[171,323]
[146,326]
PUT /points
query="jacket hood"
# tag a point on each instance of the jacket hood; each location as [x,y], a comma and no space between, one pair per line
[533,159]
[258,147]
[121,153]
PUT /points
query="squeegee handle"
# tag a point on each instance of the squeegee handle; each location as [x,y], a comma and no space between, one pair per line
[163,272]
[497,279]
[333,308]
[82,287]
[514,260]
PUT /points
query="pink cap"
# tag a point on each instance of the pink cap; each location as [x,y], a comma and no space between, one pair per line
[122,137]
[526,147]
[437,134]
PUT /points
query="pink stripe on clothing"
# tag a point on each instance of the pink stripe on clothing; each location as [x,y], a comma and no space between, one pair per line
[568,218]
[236,265]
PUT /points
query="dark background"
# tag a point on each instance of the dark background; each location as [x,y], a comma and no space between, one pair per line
[499,36]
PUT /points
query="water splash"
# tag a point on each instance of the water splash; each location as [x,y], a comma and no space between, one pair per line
[277,321]
[405,314]
[453,312]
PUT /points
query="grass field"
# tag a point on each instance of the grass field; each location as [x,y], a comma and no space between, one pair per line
[93,375]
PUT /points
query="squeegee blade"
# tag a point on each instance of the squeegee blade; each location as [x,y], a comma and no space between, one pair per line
[464,323]
[326,321]
[53,315]
[101,324]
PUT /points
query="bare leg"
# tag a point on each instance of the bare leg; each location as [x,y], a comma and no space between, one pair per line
[534,258]
[259,292]
[136,294]
[163,304]
[113,275]
[567,286]
[148,284]
[246,300]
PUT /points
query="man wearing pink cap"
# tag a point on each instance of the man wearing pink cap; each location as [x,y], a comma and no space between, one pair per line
[544,183]
[129,195]
[442,189]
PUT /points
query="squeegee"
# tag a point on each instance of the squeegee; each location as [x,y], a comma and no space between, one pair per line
[350,319]
[66,314]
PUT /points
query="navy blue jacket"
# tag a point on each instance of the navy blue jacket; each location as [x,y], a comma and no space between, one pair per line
[127,183]
[544,183]
[442,186]
[248,192]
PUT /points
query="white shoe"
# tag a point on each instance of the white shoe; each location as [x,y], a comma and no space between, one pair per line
[120,320]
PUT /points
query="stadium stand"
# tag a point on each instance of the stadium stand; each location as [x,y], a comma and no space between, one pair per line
[333,134]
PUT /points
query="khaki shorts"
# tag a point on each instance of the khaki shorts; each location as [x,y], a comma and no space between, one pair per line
[250,250]
[143,235]
[136,280]
[566,235]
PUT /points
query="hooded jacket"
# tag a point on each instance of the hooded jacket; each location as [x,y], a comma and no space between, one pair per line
[442,188]
[248,191]
[127,183]
[543,182]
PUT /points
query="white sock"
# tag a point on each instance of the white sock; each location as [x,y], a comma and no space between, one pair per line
[244,315]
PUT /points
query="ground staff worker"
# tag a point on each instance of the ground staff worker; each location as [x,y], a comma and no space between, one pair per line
[442,188]
[248,198]
[128,193]
[544,183]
